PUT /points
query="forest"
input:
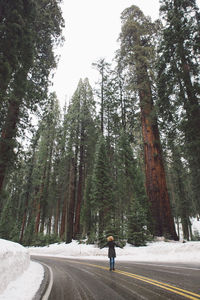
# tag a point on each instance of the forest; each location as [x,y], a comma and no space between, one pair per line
[122,157]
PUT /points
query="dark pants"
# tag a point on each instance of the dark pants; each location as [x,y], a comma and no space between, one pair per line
[112,263]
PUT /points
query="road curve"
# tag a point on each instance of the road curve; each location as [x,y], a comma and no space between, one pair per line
[75,279]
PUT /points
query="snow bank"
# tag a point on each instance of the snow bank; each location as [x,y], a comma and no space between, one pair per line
[156,251]
[20,278]
[26,285]
[14,260]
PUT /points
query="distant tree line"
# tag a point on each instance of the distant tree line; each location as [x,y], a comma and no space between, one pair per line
[123,158]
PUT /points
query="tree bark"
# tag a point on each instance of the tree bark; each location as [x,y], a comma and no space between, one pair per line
[72,200]
[156,186]
[63,218]
[80,186]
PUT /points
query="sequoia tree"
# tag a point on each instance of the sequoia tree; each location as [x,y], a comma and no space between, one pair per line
[137,54]
[29,29]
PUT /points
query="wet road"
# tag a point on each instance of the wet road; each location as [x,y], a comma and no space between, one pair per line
[75,279]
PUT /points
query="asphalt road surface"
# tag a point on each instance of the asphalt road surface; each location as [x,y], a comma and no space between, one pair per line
[75,279]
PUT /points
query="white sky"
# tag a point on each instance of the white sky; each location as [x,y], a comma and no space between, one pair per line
[91,31]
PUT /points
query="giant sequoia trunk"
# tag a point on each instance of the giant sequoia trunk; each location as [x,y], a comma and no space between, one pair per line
[154,169]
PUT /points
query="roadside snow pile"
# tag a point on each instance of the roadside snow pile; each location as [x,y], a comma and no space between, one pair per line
[14,260]
[155,251]
[67,250]
[20,278]
[162,252]
[195,225]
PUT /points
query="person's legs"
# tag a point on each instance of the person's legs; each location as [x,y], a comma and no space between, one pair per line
[110,263]
[113,263]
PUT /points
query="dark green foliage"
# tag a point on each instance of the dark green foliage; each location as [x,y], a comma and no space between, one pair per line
[138,233]
[29,29]
[102,189]
[82,174]
[7,221]
[42,240]
[178,80]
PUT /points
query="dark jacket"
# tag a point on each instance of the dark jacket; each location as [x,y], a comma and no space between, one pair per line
[111,249]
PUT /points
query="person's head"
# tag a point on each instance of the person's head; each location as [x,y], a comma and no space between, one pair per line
[110,238]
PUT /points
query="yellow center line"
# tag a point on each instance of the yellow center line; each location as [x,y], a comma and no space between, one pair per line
[166,286]
[162,285]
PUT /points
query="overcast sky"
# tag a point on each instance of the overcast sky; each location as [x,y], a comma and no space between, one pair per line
[91,31]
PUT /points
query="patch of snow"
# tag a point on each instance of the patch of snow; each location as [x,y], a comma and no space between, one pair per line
[155,251]
[19,277]
[14,260]
[26,285]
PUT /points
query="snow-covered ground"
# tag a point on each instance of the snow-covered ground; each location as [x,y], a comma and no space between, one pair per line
[156,252]
[20,278]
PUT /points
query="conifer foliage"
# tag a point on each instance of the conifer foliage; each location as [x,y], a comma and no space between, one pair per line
[122,157]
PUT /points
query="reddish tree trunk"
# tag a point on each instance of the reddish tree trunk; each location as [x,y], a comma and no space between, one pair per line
[156,186]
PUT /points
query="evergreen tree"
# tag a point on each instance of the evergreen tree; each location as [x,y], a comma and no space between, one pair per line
[81,142]
[137,51]
[32,27]
[102,191]
[178,77]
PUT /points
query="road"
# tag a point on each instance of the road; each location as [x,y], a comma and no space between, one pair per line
[75,279]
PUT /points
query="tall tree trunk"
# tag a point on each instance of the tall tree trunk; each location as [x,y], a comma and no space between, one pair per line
[183,202]
[80,189]
[10,126]
[72,200]
[57,216]
[63,218]
[155,174]
[102,101]
[37,221]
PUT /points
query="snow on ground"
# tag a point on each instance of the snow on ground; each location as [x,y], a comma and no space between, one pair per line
[20,279]
[155,251]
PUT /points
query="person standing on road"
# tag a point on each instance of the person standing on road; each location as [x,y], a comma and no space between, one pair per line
[111,251]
